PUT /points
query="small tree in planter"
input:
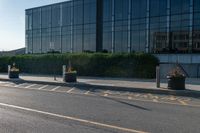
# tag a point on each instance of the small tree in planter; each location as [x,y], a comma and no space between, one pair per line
[176,79]
[70,75]
[13,72]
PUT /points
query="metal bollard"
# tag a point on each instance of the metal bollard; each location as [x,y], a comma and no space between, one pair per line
[9,67]
[64,70]
[158,76]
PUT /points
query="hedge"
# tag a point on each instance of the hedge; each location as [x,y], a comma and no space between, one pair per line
[135,65]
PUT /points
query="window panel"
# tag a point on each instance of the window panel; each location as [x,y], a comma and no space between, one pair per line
[46,36]
[46,17]
[78,12]
[107,10]
[66,39]
[121,9]
[56,15]
[90,11]
[196,5]
[158,7]
[56,39]
[67,13]
[36,41]
[28,19]
[139,8]
[36,18]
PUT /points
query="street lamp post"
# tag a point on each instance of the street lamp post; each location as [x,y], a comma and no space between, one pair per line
[52,50]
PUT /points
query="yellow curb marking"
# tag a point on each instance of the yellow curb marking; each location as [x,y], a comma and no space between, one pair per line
[73,118]
[133,99]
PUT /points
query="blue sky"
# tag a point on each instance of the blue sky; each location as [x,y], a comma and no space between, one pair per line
[12,21]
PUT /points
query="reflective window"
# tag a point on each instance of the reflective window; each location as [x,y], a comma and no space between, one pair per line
[56,15]
[139,8]
[158,7]
[46,38]
[67,13]
[29,41]
[36,41]
[66,39]
[78,38]
[56,39]
[138,35]
[78,12]
[121,36]
[196,5]
[89,37]
[107,10]
[46,17]
[121,9]
[180,6]
[28,19]
[36,18]
[107,36]
[89,11]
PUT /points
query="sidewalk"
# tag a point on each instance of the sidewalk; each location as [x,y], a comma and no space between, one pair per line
[121,84]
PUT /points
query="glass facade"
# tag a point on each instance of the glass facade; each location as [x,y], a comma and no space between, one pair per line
[153,26]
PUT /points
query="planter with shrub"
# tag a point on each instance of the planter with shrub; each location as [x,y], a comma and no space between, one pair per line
[70,75]
[13,73]
[176,79]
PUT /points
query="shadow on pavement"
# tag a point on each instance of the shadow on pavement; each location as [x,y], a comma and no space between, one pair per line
[126,103]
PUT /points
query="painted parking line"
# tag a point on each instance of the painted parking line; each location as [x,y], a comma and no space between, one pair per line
[107,92]
[87,92]
[88,122]
[130,98]
[19,85]
[69,91]
[135,97]
[40,88]
[105,95]
[30,86]
[56,88]
[9,84]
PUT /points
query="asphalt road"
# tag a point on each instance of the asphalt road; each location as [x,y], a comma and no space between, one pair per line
[31,108]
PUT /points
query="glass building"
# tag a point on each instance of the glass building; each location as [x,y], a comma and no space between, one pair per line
[152,26]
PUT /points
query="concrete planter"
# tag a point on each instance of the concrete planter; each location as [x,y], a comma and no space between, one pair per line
[70,77]
[13,74]
[176,83]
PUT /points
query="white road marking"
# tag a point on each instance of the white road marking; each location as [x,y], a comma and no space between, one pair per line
[70,90]
[105,95]
[107,92]
[30,86]
[73,119]
[9,84]
[125,98]
[87,92]
[54,89]
[130,98]
[42,87]
[182,102]
[19,85]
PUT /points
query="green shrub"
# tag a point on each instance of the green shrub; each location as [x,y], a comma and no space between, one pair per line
[135,65]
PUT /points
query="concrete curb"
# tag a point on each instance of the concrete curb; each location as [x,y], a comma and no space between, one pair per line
[185,93]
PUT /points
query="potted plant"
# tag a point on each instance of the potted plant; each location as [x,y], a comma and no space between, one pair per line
[70,75]
[13,72]
[176,79]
